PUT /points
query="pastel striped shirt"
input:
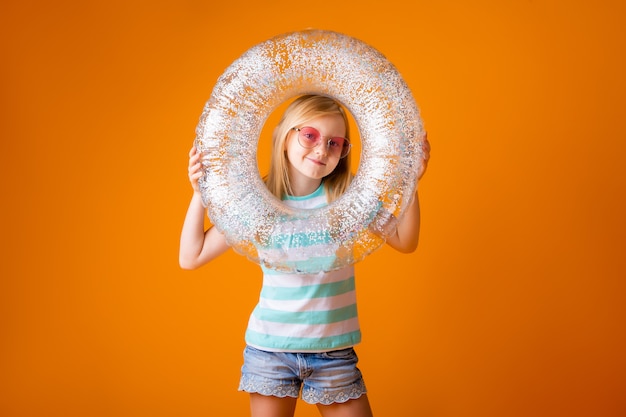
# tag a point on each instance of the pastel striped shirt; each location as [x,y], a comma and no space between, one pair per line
[305,312]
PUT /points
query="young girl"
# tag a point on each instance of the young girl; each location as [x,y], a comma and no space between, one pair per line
[300,337]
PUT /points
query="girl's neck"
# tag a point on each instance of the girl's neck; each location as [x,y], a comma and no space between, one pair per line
[304,186]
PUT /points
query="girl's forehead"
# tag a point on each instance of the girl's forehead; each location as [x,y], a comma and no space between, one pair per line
[333,121]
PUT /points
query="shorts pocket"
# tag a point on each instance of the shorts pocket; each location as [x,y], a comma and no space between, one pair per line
[347,353]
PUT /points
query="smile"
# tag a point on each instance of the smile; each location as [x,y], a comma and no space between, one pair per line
[316,161]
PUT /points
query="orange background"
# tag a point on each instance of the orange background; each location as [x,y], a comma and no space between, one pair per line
[513,305]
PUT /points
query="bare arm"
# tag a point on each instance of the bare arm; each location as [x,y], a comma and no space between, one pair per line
[197,246]
[407,233]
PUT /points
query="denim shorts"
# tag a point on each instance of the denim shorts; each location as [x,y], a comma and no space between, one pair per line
[324,378]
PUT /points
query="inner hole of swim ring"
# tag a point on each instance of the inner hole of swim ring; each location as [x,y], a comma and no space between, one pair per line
[264,148]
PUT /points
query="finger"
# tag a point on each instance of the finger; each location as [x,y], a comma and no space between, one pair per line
[194,160]
[426,147]
[193,150]
[195,177]
[196,167]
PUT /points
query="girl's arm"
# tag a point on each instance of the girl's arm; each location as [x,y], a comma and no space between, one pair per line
[407,233]
[197,246]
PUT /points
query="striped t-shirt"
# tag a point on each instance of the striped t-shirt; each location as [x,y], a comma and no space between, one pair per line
[310,312]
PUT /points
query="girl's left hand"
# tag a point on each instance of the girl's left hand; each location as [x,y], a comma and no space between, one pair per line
[426,149]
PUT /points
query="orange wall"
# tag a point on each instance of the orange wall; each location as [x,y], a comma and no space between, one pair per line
[513,304]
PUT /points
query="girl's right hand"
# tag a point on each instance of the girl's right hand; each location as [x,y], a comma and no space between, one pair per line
[195,168]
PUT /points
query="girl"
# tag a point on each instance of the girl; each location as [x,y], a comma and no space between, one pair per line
[300,337]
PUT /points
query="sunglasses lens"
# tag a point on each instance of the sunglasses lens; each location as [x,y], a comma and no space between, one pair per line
[345,147]
[309,137]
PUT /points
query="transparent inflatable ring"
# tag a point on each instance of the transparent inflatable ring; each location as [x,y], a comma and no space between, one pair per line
[257,224]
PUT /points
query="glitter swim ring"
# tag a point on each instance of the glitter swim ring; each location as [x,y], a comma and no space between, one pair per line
[257,224]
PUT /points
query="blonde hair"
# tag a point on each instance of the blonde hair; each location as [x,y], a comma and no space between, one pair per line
[300,111]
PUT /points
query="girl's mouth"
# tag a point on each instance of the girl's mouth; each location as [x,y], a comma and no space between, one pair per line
[317,162]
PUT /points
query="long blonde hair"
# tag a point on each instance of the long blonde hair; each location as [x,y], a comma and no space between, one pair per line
[300,111]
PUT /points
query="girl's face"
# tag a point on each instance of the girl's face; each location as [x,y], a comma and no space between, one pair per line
[307,166]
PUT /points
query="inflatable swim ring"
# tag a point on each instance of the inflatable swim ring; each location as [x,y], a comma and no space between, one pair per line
[391,133]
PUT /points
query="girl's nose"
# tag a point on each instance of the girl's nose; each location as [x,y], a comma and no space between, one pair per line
[323,146]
